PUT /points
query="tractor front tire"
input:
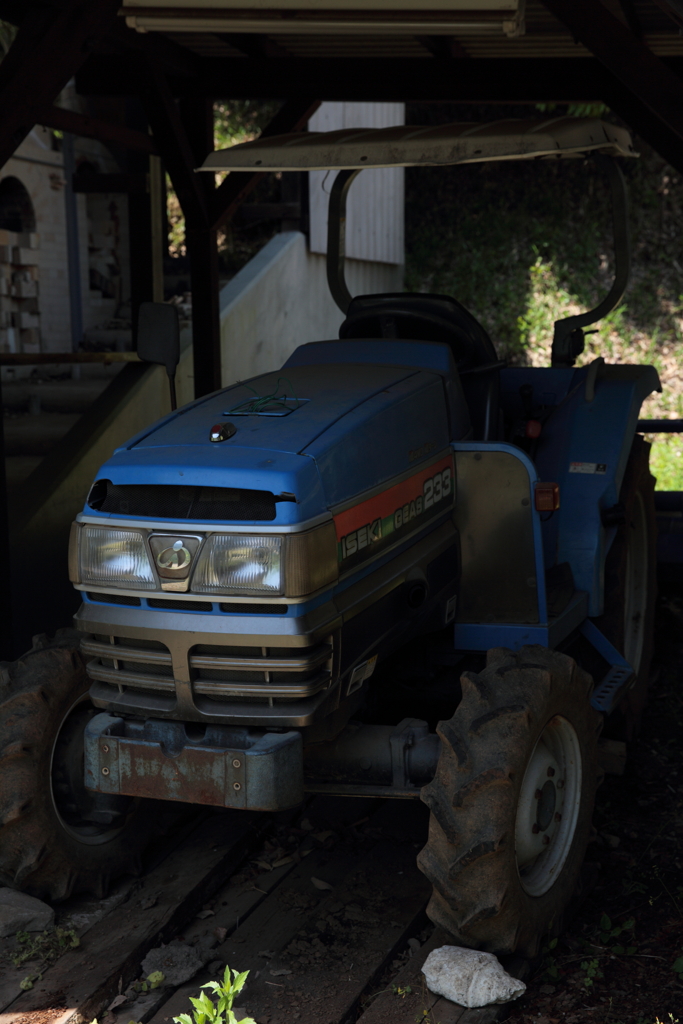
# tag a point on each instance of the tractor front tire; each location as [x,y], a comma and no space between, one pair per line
[56,837]
[512,801]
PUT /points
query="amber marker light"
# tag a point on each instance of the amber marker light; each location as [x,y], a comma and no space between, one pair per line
[547,497]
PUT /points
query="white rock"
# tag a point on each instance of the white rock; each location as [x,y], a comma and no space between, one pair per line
[178,962]
[470,978]
[22,913]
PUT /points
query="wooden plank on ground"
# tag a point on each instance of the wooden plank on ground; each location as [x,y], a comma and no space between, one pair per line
[240,896]
[312,952]
[84,911]
[11,977]
[392,1004]
[233,905]
[86,979]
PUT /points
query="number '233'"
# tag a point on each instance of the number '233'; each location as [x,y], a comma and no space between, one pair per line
[436,488]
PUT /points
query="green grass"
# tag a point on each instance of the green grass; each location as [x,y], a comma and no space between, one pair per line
[522,245]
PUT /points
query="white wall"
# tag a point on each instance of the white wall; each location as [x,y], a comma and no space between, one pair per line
[41,171]
[375,204]
[281,300]
[40,168]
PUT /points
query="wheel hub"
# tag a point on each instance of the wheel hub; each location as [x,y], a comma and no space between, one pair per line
[547,802]
[548,806]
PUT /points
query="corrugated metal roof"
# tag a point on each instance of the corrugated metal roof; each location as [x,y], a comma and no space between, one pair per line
[411,146]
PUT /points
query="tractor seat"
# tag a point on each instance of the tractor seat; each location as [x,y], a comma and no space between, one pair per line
[420,317]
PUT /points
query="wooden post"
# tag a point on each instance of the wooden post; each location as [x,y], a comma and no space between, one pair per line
[184,137]
[206,339]
[202,248]
[6,634]
[141,258]
[157,198]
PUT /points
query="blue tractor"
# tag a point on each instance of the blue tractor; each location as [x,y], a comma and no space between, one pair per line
[393,567]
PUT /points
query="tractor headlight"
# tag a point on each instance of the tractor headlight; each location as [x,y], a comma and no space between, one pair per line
[240,563]
[295,565]
[111,558]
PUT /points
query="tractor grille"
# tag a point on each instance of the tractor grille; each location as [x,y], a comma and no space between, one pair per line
[177,502]
[220,673]
[261,674]
[130,666]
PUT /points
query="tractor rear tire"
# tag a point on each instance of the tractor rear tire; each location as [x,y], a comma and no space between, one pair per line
[56,837]
[512,801]
[631,585]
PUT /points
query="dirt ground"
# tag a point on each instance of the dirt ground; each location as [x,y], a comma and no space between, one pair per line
[621,960]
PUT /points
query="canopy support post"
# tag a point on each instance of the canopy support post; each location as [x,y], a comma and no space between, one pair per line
[336,238]
[568,335]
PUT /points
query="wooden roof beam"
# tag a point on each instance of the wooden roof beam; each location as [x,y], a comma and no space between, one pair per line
[292,117]
[444,47]
[173,144]
[631,62]
[630,13]
[50,46]
[171,56]
[674,9]
[640,120]
[93,128]
[253,44]
[387,79]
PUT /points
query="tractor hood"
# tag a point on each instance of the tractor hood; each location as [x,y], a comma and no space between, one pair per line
[320,434]
[281,412]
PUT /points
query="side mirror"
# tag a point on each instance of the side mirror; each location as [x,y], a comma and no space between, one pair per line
[159,339]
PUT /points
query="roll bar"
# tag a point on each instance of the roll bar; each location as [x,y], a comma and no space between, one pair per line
[568,336]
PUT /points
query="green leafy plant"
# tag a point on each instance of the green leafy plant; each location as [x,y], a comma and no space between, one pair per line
[633,885]
[677,966]
[549,968]
[592,972]
[46,947]
[219,1009]
[148,984]
[609,932]
[401,990]
[425,1018]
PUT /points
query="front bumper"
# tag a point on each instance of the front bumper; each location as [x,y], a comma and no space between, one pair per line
[248,769]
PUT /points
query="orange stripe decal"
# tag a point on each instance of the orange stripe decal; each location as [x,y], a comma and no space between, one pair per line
[401,507]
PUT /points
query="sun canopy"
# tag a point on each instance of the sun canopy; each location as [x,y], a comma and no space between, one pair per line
[413,146]
[327,17]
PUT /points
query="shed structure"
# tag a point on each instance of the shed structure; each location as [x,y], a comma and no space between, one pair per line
[171,59]
[166,62]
